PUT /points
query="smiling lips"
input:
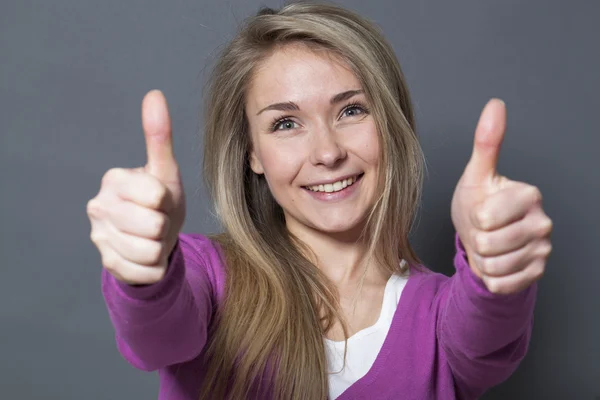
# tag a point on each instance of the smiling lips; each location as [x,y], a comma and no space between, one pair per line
[335,186]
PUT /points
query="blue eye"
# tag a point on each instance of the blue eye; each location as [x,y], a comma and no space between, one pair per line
[283,124]
[353,110]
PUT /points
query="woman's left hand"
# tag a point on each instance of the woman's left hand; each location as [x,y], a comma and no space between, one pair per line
[500,222]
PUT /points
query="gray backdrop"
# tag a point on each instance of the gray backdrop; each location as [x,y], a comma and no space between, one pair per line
[72,76]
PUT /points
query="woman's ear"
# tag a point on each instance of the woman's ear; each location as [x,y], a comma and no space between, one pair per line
[255,163]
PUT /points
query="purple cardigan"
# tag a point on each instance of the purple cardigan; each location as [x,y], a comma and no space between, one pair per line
[450,338]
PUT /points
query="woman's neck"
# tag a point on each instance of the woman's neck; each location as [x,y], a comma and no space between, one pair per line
[340,256]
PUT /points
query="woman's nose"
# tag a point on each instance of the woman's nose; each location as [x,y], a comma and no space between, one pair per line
[327,148]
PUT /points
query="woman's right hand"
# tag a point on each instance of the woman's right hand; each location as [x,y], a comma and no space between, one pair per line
[138,213]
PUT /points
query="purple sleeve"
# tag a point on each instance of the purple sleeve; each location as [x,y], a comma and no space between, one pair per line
[166,323]
[484,335]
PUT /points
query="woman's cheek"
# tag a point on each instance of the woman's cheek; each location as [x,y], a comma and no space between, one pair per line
[366,145]
[281,163]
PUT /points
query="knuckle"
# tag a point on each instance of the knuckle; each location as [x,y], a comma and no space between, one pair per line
[494,289]
[484,218]
[546,249]
[110,261]
[112,175]
[160,226]
[154,275]
[96,237]
[500,288]
[157,196]
[481,242]
[488,265]
[493,286]
[546,227]
[538,270]
[129,276]
[535,194]
[153,253]
[94,208]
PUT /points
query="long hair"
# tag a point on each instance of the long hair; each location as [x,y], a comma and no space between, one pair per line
[278,305]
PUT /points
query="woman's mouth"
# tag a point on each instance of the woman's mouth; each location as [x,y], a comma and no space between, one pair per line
[334,190]
[336,186]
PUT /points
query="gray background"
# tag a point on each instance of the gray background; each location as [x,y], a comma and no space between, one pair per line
[72,76]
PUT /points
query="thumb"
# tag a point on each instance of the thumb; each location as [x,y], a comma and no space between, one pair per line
[488,140]
[156,123]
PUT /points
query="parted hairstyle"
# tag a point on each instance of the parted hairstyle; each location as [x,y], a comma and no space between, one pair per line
[278,305]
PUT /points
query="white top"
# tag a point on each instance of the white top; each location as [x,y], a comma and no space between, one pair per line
[363,346]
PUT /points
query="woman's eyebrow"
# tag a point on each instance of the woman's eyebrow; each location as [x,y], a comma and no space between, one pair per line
[345,95]
[287,106]
[291,106]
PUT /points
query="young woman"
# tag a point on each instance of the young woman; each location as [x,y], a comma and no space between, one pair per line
[313,290]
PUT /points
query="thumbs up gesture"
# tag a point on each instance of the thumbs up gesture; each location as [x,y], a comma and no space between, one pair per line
[138,213]
[500,222]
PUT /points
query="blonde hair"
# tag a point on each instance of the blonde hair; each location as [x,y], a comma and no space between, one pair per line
[278,305]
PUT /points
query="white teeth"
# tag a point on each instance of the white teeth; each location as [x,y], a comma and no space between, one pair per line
[333,187]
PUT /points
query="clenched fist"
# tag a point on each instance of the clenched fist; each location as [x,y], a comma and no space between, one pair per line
[501,222]
[138,213]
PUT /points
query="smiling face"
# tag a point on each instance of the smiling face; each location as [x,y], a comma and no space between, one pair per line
[314,140]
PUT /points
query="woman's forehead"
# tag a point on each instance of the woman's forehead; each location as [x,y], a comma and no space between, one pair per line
[298,72]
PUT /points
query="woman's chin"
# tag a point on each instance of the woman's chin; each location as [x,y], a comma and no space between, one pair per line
[339,228]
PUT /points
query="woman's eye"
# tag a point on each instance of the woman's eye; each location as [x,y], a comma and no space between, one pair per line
[352,111]
[284,125]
